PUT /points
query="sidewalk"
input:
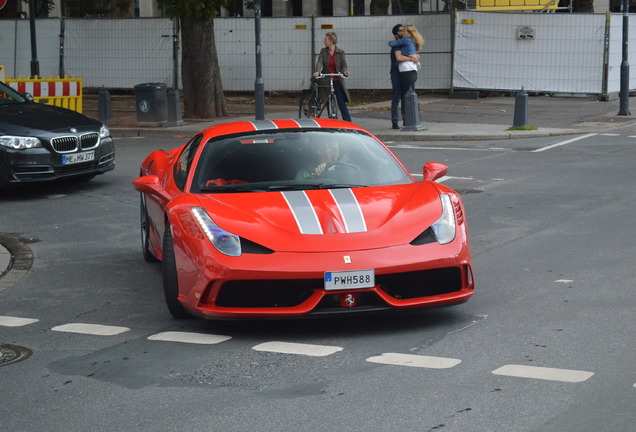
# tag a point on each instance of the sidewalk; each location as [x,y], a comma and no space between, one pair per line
[443,118]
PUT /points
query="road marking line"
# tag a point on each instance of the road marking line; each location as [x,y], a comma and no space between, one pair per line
[297,348]
[411,360]
[414,361]
[563,281]
[189,337]
[444,178]
[610,134]
[92,329]
[7,321]
[550,374]
[562,143]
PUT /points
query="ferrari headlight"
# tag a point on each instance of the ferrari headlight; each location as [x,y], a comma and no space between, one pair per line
[104,132]
[444,227]
[19,143]
[225,242]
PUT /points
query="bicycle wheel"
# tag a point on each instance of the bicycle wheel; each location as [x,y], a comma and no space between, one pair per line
[332,107]
[304,101]
[309,105]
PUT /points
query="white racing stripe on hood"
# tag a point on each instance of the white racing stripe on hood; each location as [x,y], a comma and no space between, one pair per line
[263,124]
[303,212]
[307,220]
[350,209]
[307,123]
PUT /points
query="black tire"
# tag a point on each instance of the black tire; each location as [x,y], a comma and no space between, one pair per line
[145,242]
[170,279]
[332,107]
[304,101]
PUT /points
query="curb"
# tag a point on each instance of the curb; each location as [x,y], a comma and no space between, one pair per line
[19,262]
[383,136]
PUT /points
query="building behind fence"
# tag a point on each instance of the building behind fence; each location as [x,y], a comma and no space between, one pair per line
[491,51]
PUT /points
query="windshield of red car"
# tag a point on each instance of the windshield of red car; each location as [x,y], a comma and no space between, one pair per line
[295,159]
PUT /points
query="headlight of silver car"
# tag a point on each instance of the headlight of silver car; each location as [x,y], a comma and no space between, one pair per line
[19,143]
[225,242]
[104,132]
[444,227]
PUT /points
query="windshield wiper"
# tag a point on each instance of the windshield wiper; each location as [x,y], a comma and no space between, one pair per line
[276,188]
[230,189]
[305,186]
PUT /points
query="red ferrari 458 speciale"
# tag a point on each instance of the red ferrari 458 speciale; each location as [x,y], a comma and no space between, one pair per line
[290,218]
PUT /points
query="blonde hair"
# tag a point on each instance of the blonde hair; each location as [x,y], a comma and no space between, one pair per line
[415,35]
[332,37]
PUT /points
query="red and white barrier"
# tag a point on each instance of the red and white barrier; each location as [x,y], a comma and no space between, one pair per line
[45,89]
[62,92]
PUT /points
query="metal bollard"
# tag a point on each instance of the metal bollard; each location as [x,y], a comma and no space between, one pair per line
[521,109]
[174,108]
[412,112]
[104,111]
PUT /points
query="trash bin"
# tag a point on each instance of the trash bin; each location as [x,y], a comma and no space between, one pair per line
[152,104]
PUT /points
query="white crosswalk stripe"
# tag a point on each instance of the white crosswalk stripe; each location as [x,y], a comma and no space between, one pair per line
[189,337]
[92,329]
[7,321]
[297,348]
[414,361]
[543,373]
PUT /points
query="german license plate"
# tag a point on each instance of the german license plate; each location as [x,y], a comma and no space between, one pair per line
[354,279]
[78,157]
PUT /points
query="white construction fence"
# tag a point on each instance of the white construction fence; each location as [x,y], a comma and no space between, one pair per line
[488,51]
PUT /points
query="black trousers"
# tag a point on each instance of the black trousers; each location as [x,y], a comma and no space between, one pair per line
[407,81]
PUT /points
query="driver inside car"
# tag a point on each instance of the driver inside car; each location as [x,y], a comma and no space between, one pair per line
[327,152]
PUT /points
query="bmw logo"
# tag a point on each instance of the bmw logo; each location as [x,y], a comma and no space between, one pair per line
[73,130]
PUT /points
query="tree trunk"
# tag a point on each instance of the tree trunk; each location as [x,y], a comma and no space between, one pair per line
[202,89]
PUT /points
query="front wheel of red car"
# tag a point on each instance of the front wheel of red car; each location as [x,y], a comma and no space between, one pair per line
[170,280]
[145,231]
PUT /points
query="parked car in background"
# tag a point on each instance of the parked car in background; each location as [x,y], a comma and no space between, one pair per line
[291,218]
[39,142]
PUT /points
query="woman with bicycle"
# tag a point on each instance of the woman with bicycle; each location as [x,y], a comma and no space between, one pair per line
[331,60]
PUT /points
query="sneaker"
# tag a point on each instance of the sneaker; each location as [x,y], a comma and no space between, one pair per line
[395,126]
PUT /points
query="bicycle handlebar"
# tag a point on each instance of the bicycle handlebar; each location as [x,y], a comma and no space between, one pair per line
[339,75]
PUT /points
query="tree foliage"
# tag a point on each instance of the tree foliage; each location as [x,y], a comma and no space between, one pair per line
[193,8]
[201,76]
[584,6]
[379,7]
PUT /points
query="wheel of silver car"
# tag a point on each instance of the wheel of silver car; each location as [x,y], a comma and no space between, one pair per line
[145,230]
[170,279]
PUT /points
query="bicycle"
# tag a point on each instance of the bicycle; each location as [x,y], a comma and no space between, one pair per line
[311,104]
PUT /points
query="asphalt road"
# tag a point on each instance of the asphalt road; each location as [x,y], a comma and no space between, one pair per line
[546,343]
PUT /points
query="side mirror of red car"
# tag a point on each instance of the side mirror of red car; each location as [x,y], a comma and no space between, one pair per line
[150,185]
[434,170]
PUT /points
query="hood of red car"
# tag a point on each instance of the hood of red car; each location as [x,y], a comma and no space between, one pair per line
[328,219]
